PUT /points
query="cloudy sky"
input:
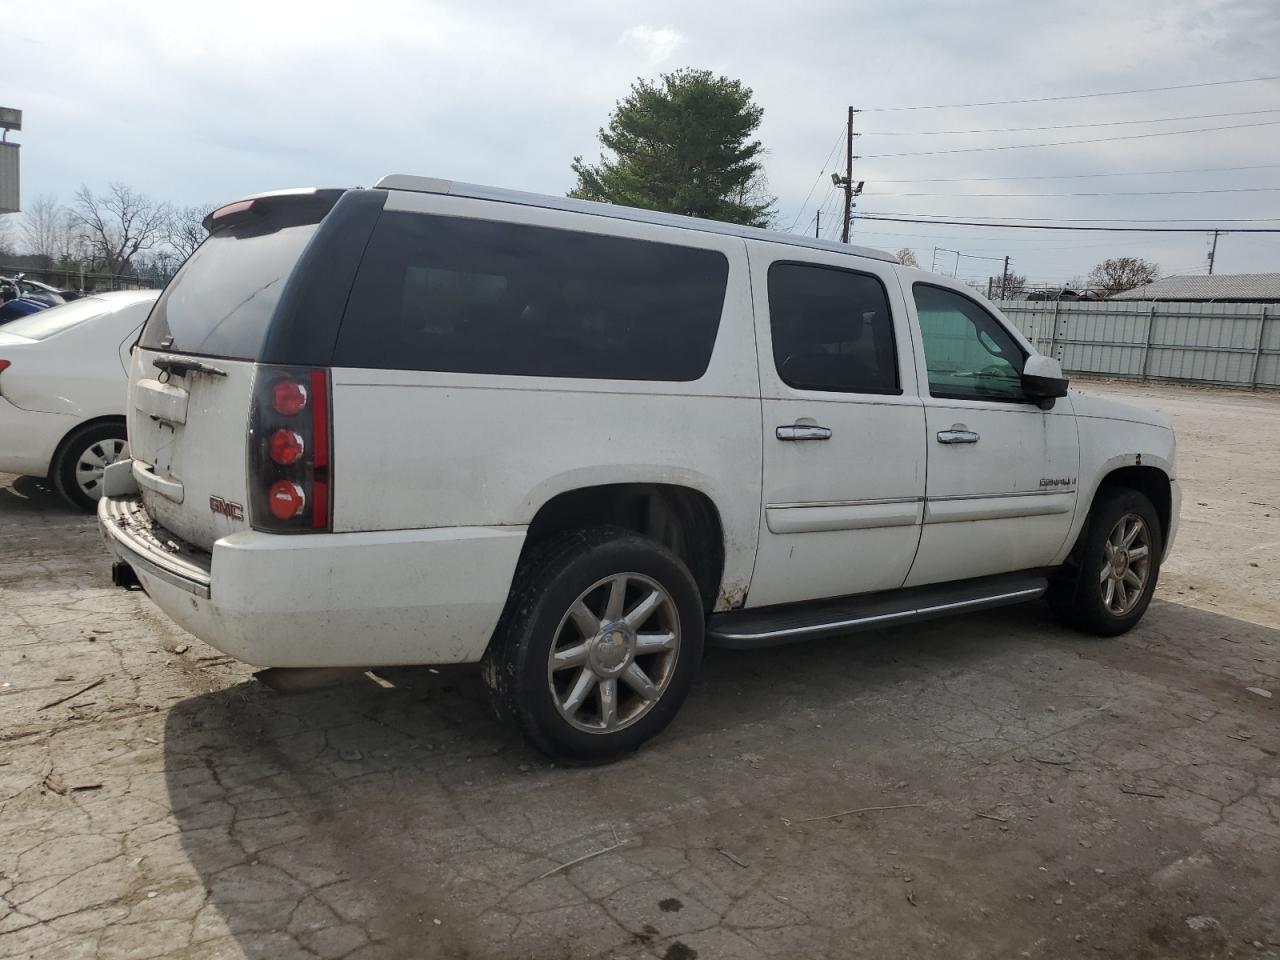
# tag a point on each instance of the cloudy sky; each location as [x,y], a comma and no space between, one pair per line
[202,102]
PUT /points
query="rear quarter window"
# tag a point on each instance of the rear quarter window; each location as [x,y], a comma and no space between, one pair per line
[476,296]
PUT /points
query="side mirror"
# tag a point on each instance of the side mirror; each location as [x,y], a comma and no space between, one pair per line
[1042,380]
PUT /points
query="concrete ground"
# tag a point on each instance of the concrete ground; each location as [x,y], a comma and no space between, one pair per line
[1025,792]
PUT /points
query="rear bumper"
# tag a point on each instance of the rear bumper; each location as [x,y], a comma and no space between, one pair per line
[28,438]
[325,600]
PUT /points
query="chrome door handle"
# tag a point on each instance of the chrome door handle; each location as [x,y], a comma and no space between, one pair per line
[803,432]
[957,434]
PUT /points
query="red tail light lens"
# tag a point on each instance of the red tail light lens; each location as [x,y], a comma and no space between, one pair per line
[286,446]
[4,365]
[286,500]
[288,397]
[289,451]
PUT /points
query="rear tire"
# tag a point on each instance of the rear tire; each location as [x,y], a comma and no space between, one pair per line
[1112,573]
[77,469]
[598,645]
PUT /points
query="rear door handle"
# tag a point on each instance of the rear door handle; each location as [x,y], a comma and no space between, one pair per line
[804,432]
[957,434]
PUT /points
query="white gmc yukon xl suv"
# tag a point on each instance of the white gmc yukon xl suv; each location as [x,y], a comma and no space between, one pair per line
[432,422]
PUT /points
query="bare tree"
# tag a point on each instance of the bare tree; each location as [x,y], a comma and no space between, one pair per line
[6,238]
[119,224]
[44,228]
[185,230]
[1122,273]
[907,257]
[1010,287]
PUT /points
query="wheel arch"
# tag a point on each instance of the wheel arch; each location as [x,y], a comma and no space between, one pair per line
[1151,481]
[682,518]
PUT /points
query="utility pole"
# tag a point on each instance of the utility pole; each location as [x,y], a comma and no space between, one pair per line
[848,179]
[817,225]
[1213,251]
[1004,278]
[846,183]
[990,281]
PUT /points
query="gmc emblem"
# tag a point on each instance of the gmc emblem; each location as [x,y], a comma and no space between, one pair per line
[232,511]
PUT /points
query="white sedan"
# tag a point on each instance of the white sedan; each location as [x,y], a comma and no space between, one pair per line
[63,386]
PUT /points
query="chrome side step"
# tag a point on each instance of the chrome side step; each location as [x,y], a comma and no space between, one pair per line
[791,623]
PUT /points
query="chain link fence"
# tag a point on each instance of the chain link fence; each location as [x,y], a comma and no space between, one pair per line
[72,277]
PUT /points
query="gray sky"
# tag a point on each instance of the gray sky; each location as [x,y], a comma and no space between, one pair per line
[205,102]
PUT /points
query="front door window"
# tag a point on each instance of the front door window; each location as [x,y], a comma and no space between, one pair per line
[968,352]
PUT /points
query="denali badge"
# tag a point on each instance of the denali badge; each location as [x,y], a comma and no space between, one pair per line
[1058,482]
[233,511]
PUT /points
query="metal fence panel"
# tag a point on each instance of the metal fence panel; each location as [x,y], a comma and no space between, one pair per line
[1236,344]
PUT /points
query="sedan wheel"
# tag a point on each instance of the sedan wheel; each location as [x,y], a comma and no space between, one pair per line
[93,462]
[82,460]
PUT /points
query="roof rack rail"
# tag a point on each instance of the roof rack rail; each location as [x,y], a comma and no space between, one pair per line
[453,188]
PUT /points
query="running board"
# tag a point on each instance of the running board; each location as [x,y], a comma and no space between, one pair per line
[790,623]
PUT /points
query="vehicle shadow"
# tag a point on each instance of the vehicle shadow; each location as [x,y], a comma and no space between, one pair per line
[33,495]
[400,817]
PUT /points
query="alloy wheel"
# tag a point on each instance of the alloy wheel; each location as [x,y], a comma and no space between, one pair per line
[614,653]
[1126,565]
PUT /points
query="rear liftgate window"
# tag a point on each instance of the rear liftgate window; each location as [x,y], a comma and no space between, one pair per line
[220,303]
[477,296]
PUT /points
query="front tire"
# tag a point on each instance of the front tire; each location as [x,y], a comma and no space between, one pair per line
[84,455]
[1114,568]
[598,645]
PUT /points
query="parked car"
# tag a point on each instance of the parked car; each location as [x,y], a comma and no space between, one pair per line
[63,385]
[16,307]
[432,423]
[41,292]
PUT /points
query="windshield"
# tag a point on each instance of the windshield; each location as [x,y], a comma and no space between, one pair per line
[45,323]
[221,301]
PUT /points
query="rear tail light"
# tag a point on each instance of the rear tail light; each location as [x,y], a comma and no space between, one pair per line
[4,365]
[286,446]
[288,396]
[286,500]
[289,480]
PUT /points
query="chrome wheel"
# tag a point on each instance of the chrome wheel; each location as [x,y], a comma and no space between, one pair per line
[95,459]
[1126,565]
[614,653]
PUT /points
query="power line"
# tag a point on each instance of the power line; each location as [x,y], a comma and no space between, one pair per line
[1077,176]
[1042,226]
[1064,143]
[1066,126]
[982,216]
[1074,96]
[1119,193]
[814,185]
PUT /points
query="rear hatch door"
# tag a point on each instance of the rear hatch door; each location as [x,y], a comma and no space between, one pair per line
[191,376]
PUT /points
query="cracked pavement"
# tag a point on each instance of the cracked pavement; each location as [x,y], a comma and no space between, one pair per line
[1036,793]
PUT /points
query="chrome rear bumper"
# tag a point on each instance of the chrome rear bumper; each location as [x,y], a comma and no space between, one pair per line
[132,536]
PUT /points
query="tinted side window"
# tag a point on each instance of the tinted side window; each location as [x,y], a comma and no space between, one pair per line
[831,330]
[478,296]
[968,352]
